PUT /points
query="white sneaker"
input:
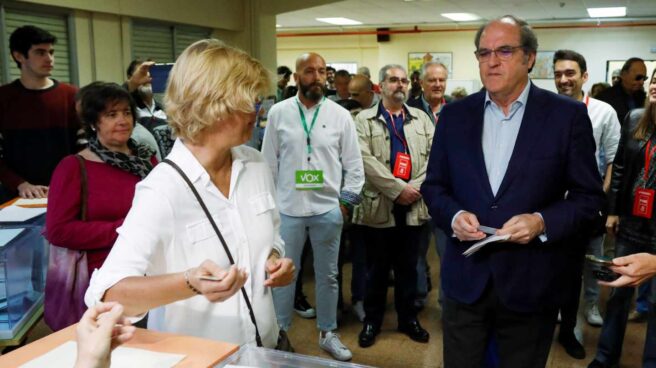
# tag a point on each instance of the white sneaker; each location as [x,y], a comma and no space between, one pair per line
[330,343]
[593,317]
[358,310]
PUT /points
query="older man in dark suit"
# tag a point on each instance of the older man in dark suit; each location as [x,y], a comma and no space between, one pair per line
[519,159]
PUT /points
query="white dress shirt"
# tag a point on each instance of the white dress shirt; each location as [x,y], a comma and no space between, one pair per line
[149,111]
[500,134]
[166,231]
[335,150]
[605,129]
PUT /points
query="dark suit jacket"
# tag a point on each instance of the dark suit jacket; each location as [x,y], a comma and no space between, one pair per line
[617,98]
[417,103]
[553,155]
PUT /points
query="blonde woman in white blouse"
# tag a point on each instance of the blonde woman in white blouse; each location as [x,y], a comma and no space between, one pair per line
[166,236]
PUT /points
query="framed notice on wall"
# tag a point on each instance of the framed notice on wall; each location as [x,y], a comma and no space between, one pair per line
[612,65]
[417,59]
[543,68]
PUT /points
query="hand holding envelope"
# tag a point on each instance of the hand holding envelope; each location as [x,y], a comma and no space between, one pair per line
[490,239]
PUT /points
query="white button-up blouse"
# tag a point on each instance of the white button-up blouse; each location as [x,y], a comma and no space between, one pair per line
[166,231]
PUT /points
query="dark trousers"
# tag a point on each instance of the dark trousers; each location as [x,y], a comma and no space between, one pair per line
[359,260]
[523,339]
[391,248]
[611,339]
[299,280]
[569,310]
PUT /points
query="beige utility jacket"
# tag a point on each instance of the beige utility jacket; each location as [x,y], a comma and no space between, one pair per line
[381,187]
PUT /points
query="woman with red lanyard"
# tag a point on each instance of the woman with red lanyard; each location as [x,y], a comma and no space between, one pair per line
[631,219]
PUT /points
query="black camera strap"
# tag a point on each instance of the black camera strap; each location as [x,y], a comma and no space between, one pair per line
[177,168]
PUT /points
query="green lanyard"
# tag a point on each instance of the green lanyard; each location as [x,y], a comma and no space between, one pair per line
[305,126]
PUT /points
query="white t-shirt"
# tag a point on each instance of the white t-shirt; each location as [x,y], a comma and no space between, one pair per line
[605,128]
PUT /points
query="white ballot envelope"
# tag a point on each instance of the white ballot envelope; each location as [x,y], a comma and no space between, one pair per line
[478,245]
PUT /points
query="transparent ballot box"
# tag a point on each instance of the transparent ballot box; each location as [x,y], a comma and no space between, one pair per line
[251,356]
[23,266]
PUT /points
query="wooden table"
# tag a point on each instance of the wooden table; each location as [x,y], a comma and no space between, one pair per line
[199,352]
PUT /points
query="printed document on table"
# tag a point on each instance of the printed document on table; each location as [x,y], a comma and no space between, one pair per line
[64,355]
[31,202]
[490,239]
[19,214]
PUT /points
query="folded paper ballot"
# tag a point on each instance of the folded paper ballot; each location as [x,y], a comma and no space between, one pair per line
[490,239]
[35,202]
[64,356]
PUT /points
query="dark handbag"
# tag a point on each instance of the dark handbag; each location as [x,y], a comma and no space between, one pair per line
[177,168]
[68,276]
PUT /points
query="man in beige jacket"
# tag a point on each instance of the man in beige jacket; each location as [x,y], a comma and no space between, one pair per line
[395,141]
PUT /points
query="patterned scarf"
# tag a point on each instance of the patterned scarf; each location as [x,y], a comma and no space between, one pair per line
[138,163]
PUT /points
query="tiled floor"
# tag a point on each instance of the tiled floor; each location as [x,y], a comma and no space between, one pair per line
[393,349]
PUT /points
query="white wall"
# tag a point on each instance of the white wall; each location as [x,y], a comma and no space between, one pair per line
[103,31]
[597,45]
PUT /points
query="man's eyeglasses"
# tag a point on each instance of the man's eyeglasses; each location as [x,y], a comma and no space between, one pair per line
[397,80]
[503,53]
[640,78]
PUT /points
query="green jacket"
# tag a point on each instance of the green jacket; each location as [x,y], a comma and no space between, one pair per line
[381,188]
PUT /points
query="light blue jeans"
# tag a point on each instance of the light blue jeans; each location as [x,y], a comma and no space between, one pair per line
[324,231]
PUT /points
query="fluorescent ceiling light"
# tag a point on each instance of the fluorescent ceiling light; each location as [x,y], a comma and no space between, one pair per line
[461,17]
[607,12]
[339,21]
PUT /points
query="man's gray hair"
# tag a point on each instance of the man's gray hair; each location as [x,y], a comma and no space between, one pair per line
[383,71]
[364,71]
[424,68]
[527,38]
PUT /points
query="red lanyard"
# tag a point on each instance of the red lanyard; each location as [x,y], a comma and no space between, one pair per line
[396,132]
[648,155]
[587,100]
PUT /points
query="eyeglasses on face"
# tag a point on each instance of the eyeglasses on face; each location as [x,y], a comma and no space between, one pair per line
[502,52]
[641,78]
[397,80]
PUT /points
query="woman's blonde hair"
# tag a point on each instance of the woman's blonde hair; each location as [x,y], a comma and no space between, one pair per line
[209,82]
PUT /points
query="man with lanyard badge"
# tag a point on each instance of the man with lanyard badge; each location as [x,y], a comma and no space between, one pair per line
[311,147]
[570,72]
[395,141]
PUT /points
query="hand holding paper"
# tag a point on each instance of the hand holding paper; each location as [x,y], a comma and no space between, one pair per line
[523,228]
[465,227]
[490,239]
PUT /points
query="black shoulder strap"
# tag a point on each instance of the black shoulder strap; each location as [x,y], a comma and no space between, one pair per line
[84,192]
[177,168]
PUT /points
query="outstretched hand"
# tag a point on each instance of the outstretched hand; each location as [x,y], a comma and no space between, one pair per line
[101,329]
